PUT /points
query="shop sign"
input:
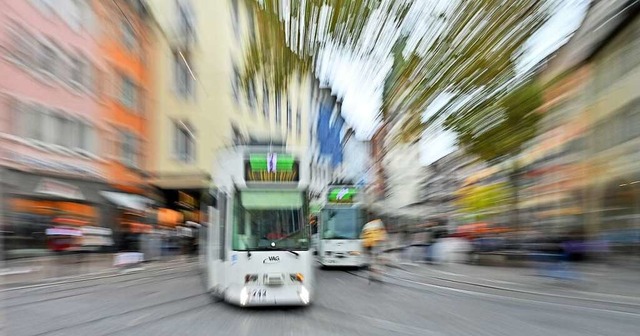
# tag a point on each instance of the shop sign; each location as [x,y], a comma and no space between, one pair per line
[54,166]
[186,200]
[56,188]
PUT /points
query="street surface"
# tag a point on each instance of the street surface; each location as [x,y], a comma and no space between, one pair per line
[169,300]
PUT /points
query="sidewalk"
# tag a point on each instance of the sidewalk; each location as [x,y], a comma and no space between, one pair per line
[36,269]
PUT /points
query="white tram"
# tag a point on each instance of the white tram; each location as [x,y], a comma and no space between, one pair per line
[256,248]
[341,222]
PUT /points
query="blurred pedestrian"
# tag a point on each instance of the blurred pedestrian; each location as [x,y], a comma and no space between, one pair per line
[373,236]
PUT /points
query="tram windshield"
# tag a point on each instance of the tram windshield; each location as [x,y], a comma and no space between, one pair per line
[342,223]
[270,220]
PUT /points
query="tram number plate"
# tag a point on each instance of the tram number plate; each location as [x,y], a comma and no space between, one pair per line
[258,294]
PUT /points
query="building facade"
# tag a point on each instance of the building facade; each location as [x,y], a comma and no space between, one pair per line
[200,102]
[53,163]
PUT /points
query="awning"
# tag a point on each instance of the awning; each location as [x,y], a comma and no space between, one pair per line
[130,201]
[63,232]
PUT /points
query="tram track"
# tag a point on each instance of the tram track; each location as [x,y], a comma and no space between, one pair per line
[195,302]
[498,293]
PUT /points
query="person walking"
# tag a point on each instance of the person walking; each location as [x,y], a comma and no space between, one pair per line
[373,235]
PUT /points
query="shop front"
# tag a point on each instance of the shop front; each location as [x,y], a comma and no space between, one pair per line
[133,218]
[35,203]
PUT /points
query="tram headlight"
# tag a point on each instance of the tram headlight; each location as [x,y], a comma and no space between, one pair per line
[304,295]
[244,296]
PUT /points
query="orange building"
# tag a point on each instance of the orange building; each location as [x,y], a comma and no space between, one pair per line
[125,43]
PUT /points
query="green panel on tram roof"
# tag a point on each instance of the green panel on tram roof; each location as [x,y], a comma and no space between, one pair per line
[342,194]
[271,168]
[259,162]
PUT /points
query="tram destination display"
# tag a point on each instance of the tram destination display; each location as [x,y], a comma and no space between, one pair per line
[271,168]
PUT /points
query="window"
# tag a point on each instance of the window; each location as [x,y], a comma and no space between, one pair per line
[278,108]
[235,83]
[265,100]
[184,83]
[86,138]
[129,149]
[77,69]
[252,25]
[34,122]
[184,143]
[23,47]
[128,92]
[58,126]
[47,57]
[269,220]
[342,223]
[74,14]
[87,70]
[68,133]
[251,94]
[289,117]
[235,16]
[185,23]
[128,35]
[18,120]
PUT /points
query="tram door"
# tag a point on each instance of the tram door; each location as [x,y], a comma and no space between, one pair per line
[216,244]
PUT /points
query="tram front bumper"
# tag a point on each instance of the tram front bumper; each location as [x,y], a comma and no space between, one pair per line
[344,261]
[257,295]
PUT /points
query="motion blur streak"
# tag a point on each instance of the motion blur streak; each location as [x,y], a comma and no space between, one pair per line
[493,143]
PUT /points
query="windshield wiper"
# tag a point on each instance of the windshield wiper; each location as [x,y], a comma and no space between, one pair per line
[294,252]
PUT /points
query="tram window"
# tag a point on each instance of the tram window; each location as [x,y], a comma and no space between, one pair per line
[341,224]
[270,221]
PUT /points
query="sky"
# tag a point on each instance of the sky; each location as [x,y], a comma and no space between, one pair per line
[359,81]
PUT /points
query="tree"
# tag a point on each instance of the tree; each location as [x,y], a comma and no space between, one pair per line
[498,131]
[290,35]
[468,51]
[467,47]
[481,201]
